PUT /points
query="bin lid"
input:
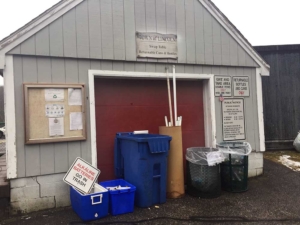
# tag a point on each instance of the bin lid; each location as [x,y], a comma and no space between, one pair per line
[235,147]
[144,137]
[157,143]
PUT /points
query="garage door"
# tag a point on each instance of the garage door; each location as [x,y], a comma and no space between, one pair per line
[125,105]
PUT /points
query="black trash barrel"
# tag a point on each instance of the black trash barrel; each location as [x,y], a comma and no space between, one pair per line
[234,170]
[202,180]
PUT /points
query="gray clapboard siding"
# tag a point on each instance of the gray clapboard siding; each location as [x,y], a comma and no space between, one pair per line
[161,23]
[225,47]
[32,153]
[217,43]
[28,46]
[41,38]
[56,38]
[95,35]
[129,21]
[171,21]
[69,34]
[208,38]
[199,35]
[151,19]
[118,29]
[56,158]
[181,34]
[105,29]
[190,31]
[82,30]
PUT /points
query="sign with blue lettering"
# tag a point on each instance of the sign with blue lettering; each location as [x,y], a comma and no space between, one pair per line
[82,175]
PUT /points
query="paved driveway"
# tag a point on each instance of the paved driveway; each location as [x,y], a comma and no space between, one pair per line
[273,198]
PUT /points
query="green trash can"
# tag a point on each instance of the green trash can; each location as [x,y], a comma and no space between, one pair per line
[234,170]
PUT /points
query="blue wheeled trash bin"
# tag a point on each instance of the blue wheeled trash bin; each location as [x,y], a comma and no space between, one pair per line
[141,159]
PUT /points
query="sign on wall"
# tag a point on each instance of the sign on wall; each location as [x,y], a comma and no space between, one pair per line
[233,119]
[155,45]
[241,86]
[222,86]
[82,175]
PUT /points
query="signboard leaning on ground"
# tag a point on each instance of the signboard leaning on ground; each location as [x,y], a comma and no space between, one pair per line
[82,175]
[155,45]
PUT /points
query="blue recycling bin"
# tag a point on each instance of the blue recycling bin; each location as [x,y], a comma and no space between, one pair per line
[141,159]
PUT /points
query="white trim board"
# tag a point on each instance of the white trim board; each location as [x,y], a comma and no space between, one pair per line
[10,118]
[208,101]
[260,111]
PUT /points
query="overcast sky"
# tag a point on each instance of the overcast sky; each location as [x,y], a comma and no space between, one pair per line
[262,22]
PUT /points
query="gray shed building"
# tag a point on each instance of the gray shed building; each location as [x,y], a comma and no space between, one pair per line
[95,43]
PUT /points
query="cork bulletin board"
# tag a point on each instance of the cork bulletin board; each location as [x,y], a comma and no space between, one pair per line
[54,113]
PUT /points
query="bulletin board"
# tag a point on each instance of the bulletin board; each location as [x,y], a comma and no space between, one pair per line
[54,113]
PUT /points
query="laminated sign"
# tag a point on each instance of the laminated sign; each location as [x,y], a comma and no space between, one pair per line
[82,175]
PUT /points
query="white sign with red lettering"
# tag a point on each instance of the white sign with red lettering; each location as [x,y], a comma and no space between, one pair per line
[82,175]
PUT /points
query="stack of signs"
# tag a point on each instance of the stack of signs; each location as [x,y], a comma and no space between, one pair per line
[82,176]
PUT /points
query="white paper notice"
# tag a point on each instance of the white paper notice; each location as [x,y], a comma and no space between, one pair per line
[233,119]
[75,121]
[54,95]
[55,110]
[75,96]
[56,127]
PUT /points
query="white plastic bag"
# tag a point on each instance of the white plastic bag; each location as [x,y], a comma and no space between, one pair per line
[297,142]
[235,148]
[204,156]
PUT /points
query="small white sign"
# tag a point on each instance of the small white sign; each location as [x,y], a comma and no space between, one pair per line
[55,110]
[222,86]
[155,45]
[76,121]
[82,175]
[54,95]
[233,119]
[75,96]
[241,86]
[56,127]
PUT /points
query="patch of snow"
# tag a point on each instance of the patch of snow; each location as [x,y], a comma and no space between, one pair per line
[293,165]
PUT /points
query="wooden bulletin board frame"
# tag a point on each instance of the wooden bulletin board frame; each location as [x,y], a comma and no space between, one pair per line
[30,106]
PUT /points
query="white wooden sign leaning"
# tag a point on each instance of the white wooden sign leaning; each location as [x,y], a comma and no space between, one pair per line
[241,86]
[82,175]
[233,119]
[222,86]
[155,45]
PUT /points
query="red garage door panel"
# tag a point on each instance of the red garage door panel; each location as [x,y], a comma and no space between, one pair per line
[125,105]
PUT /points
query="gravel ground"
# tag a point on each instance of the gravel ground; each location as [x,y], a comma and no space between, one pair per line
[271,199]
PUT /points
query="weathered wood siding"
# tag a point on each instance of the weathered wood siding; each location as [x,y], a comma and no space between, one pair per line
[281,95]
[105,29]
[44,159]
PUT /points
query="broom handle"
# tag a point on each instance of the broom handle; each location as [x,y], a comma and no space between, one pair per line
[169,94]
